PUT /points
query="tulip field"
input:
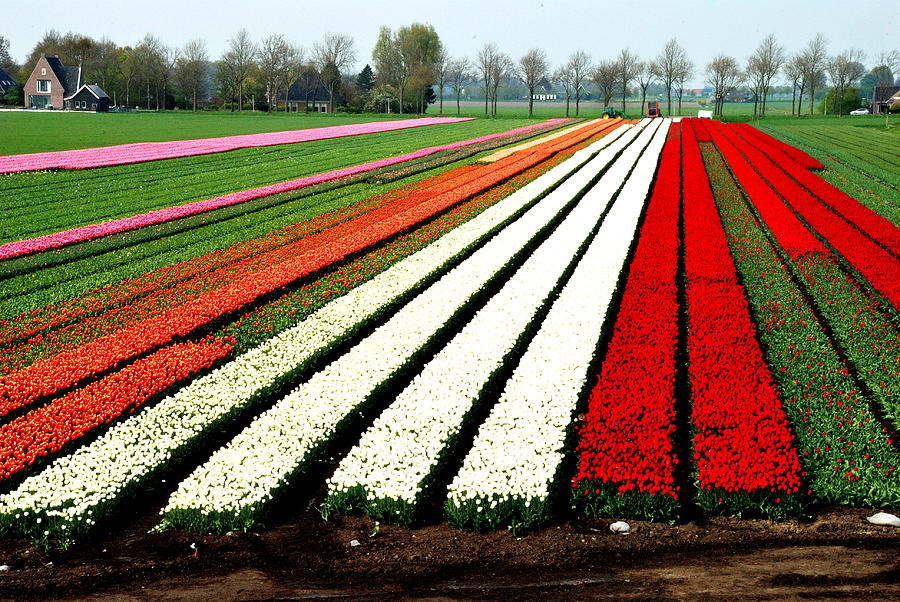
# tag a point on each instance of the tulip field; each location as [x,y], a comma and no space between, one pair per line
[494,326]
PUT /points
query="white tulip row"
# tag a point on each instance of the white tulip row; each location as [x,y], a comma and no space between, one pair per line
[67,497]
[390,472]
[515,462]
[240,480]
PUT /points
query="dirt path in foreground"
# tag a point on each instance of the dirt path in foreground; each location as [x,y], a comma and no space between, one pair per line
[836,555]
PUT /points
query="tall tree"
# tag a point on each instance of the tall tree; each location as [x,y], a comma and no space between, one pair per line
[271,56]
[239,56]
[487,57]
[684,72]
[645,77]
[291,69]
[106,68]
[365,81]
[626,70]
[6,61]
[845,69]
[334,53]
[794,73]
[769,58]
[566,79]
[813,60]
[500,70]
[579,65]
[666,67]
[890,59]
[149,60]
[605,76]
[127,70]
[419,48]
[457,74]
[533,67]
[724,75]
[170,58]
[192,69]
[441,67]
[389,69]
[754,75]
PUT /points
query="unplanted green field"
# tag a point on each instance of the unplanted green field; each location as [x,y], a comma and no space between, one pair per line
[42,131]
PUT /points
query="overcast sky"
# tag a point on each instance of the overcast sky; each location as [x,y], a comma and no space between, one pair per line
[558,26]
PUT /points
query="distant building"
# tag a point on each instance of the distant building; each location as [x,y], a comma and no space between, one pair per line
[50,83]
[312,97]
[88,98]
[7,82]
[883,97]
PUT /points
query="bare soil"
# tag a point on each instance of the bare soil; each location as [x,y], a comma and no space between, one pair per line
[837,554]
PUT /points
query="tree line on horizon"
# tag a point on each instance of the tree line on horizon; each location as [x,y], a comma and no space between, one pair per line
[411,68]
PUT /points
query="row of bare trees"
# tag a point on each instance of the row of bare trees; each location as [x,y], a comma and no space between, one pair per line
[809,70]
[412,59]
[613,78]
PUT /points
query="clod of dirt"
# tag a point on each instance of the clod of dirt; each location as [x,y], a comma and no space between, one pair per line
[885,519]
[620,526]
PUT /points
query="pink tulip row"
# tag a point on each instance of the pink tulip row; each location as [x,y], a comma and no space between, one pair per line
[84,233]
[138,152]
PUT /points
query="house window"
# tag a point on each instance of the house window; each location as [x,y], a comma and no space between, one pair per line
[43,85]
[43,71]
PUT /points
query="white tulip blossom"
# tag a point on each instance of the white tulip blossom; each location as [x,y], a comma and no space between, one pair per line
[238,481]
[76,489]
[401,453]
[515,460]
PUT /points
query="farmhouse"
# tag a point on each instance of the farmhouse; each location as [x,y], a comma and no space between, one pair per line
[884,97]
[303,97]
[88,98]
[50,83]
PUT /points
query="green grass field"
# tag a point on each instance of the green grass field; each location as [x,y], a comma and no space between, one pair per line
[41,131]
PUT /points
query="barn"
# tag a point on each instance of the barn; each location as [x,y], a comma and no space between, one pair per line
[88,98]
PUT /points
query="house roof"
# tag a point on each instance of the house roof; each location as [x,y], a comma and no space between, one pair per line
[95,91]
[884,93]
[315,93]
[69,77]
[6,82]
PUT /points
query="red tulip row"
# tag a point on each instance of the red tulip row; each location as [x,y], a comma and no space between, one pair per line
[743,447]
[869,338]
[46,430]
[626,454]
[877,265]
[881,230]
[846,455]
[700,129]
[49,376]
[790,231]
[761,138]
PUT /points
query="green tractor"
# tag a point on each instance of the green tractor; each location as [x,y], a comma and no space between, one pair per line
[611,113]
